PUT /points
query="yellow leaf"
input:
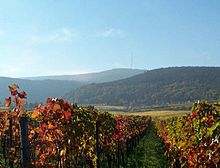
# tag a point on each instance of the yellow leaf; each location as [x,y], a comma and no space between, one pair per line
[63,152]
[12,149]
[14,86]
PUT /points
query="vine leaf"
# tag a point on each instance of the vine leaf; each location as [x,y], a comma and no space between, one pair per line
[8,102]
[13,87]
[35,114]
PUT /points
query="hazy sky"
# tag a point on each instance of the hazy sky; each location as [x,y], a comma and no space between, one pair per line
[44,37]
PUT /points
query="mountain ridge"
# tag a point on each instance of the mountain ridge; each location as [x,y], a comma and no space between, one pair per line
[154,87]
[93,77]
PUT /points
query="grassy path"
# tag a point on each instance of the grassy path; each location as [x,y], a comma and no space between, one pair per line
[149,153]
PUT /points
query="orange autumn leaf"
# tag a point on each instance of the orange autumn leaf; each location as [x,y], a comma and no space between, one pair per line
[50,149]
[35,114]
[49,101]
[21,112]
[59,132]
[21,103]
[8,102]
[43,156]
[56,107]
[14,113]
[49,137]
[51,126]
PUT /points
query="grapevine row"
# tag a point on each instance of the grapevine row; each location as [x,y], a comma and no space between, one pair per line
[193,140]
[64,135]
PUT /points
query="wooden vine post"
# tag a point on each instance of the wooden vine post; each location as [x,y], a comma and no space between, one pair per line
[11,165]
[97,143]
[25,147]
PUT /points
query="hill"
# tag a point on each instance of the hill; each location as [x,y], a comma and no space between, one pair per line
[38,91]
[40,88]
[98,77]
[154,87]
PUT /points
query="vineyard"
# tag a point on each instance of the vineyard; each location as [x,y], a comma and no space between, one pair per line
[193,140]
[59,134]
[63,135]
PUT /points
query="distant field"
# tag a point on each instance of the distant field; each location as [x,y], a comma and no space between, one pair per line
[112,108]
[155,112]
[3,108]
[160,114]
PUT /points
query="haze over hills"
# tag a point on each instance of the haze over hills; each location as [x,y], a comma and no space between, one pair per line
[38,91]
[40,88]
[96,77]
[154,87]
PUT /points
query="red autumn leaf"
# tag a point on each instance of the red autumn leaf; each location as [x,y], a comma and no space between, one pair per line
[41,131]
[67,115]
[8,102]
[67,104]
[14,92]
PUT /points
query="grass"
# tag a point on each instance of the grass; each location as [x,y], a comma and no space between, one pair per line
[161,115]
[149,153]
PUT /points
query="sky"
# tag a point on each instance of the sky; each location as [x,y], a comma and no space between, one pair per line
[54,37]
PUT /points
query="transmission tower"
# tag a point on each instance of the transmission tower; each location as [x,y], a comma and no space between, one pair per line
[131,61]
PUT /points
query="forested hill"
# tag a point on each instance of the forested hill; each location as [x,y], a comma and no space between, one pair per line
[154,87]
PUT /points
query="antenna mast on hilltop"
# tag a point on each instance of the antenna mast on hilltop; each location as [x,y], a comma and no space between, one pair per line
[131,60]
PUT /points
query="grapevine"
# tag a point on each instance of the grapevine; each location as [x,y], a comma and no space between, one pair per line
[193,140]
[62,134]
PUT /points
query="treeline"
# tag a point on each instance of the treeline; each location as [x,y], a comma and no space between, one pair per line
[155,87]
